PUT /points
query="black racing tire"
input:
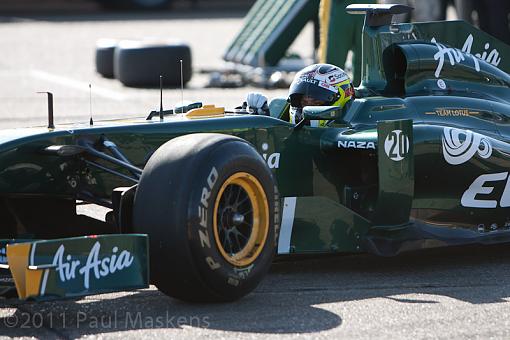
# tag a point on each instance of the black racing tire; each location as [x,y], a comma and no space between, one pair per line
[184,196]
[135,4]
[104,57]
[140,63]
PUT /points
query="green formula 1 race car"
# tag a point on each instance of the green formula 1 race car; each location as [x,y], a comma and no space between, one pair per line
[204,199]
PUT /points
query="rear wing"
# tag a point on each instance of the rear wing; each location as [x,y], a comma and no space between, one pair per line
[378,15]
[79,266]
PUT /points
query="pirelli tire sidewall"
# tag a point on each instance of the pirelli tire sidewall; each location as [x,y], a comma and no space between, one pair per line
[229,158]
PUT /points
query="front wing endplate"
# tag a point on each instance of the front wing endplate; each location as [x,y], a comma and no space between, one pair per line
[78,266]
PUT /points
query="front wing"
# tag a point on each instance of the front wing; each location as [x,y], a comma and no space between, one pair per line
[73,267]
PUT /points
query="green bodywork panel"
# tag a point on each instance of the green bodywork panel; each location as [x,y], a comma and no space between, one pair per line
[396,173]
[310,234]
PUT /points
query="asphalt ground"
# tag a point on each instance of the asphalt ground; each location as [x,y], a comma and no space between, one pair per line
[452,293]
[435,294]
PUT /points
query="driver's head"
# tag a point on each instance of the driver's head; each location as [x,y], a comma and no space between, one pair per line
[319,85]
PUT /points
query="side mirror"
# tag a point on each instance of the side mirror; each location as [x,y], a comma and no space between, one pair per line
[277,107]
[322,112]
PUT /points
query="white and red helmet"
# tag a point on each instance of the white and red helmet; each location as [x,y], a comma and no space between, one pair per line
[319,85]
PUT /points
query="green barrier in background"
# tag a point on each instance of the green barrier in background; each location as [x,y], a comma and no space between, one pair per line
[340,33]
[272,25]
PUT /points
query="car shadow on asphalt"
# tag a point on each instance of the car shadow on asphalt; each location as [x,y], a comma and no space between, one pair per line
[293,298]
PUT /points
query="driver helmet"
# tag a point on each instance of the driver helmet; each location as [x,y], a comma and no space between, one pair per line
[319,85]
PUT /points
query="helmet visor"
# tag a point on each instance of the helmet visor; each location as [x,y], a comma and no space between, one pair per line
[301,101]
[308,94]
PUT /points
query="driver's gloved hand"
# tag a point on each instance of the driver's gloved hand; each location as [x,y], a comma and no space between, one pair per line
[257,103]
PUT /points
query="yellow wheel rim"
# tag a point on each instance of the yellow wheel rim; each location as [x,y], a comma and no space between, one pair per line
[241,219]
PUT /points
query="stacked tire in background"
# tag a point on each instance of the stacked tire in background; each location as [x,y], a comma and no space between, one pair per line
[104,57]
[140,63]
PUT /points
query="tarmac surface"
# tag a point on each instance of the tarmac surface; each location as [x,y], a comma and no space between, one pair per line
[435,294]
[454,293]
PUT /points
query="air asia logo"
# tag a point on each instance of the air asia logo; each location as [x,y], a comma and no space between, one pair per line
[68,269]
[459,146]
[492,57]
[473,196]
[350,144]
[272,160]
[396,145]
[456,56]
